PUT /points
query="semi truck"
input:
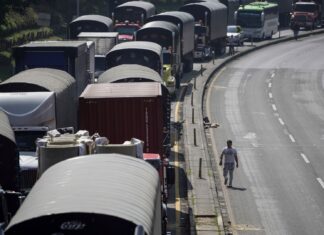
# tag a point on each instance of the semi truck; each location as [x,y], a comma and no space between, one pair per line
[37,100]
[285,8]
[130,17]
[104,42]
[97,194]
[138,73]
[210,27]
[185,23]
[167,35]
[308,14]
[73,57]
[89,23]
[122,111]
[9,157]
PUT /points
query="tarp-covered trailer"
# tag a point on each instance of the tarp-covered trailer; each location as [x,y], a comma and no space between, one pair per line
[95,194]
[9,156]
[89,23]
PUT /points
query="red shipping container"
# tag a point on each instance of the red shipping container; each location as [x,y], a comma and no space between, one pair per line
[121,111]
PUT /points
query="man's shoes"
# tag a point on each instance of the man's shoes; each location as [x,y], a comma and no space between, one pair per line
[230,186]
[225,182]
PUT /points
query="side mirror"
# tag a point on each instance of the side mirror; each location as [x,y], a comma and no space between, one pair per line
[170,174]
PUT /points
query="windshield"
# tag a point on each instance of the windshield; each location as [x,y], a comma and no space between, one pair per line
[200,30]
[232,29]
[128,30]
[26,140]
[249,19]
[305,7]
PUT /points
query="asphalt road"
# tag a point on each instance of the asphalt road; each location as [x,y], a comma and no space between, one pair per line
[271,104]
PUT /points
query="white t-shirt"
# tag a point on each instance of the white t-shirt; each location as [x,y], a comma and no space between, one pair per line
[229,155]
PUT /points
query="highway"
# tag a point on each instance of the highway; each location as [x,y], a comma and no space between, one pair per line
[271,104]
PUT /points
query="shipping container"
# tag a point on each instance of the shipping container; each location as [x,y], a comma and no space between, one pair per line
[121,111]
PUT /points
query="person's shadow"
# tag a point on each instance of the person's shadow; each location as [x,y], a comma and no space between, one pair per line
[236,188]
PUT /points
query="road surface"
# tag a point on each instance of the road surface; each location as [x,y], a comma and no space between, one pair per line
[271,104]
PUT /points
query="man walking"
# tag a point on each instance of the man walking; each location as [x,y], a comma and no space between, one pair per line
[230,155]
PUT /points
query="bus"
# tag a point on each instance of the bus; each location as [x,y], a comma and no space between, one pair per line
[258,20]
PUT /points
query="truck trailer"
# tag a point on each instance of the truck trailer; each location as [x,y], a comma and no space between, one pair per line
[185,23]
[138,73]
[308,14]
[210,27]
[9,157]
[97,194]
[74,57]
[104,42]
[130,17]
[167,35]
[37,100]
[89,23]
[122,111]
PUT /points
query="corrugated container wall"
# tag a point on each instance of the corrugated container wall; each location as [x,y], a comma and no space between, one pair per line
[123,115]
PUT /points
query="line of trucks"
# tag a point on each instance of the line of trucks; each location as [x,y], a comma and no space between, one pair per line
[110,85]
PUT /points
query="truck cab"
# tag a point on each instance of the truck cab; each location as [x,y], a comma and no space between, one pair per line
[306,14]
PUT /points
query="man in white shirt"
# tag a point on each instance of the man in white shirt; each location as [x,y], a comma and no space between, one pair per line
[230,155]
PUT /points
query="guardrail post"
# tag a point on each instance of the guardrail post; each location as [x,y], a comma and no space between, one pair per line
[193,116]
[200,163]
[195,137]
[192,98]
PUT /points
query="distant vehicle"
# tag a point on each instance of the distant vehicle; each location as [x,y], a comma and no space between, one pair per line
[94,194]
[89,23]
[130,17]
[307,14]
[104,42]
[167,35]
[74,57]
[210,27]
[259,20]
[237,33]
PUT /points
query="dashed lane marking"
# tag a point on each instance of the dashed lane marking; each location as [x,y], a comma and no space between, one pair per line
[270,85]
[281,121]
[292,138]
[305,158]
[320,181]
[272,75]
[274,107]
[270,95]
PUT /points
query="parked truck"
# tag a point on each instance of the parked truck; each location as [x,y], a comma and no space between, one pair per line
[104,42]
[74,57]
[37,100]
[121,111]
[185,23]
[167,35]
[89,23]
[9,156]
[210,27]
[285,8]
[138,73]
[130,17]
[126,192]
[307,13]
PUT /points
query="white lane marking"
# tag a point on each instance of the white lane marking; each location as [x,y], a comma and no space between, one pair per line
[272,75]
[292,138]
[270,95]
[320,181]
[274,107]
[281,121]
[270,85]
[305,158]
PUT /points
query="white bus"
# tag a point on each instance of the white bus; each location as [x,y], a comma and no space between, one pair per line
[258,19]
